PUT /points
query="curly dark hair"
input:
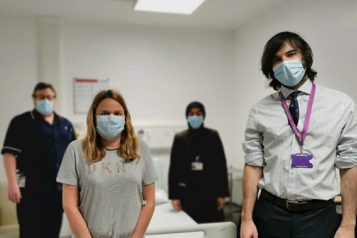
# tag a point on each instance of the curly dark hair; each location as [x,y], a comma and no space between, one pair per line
[274,45]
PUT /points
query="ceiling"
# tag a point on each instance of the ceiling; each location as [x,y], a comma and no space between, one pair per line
[212,14]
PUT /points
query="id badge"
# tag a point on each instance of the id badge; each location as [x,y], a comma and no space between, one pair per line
[197,166]
[22,181]
[301,160]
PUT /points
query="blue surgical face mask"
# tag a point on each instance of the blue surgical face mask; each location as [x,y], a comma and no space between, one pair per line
[110,127]
[289,72]
[44,107]
[195,122]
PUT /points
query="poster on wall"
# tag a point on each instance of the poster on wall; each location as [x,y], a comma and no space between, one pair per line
[85,91]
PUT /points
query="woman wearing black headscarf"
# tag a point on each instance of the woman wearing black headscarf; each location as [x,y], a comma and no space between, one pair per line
[198,180]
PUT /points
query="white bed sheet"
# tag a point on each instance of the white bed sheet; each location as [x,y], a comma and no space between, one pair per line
[166,216]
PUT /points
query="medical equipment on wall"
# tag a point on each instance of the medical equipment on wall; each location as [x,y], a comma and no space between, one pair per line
[158,136]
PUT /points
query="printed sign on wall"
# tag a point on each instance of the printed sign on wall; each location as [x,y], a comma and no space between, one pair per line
[85,91]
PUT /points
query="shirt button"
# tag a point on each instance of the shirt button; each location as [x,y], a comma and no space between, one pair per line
[111,210]
[292,172]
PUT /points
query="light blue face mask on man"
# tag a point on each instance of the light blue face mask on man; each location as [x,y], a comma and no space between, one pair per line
[289,72]
[195,122]
[110,127]
[44,107]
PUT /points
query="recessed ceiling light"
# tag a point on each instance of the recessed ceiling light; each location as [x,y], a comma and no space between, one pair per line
[168,6]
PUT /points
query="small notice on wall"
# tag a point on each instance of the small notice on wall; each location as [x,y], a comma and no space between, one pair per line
[85,91]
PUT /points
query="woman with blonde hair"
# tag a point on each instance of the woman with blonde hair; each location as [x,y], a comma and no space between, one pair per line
[108,177]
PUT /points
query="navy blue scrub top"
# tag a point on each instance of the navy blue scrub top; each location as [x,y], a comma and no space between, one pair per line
[39,148]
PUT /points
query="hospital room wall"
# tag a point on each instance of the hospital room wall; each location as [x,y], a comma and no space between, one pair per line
[158,70]
[18,71]
[197,65]
[329,27]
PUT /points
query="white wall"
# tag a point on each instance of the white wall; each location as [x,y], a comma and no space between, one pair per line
[18,71]
[159,71]
[329,27]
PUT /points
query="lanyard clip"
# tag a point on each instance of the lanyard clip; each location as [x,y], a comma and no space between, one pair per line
[301,148]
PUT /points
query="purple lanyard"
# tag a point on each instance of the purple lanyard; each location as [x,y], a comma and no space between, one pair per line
[302,135]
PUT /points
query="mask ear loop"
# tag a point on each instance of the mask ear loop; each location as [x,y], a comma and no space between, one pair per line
[301,145]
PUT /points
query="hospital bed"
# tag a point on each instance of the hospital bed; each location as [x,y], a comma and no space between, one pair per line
[177,224]
[209,230]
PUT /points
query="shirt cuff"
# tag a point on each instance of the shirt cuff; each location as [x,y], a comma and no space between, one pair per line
[67,181]
[10,149]
[149,181]
[346,162]
[254,159]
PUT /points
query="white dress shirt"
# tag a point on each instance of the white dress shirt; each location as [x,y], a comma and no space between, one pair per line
[331,139]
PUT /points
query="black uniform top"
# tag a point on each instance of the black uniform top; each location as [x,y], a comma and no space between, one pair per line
[39,148]
[212,181]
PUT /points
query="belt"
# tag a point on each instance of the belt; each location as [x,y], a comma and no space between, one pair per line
[295,205]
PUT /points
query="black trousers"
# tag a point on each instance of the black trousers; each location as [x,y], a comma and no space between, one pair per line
[274,221]
[203,210]
[40,215]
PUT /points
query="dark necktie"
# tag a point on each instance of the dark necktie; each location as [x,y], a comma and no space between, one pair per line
[294,107]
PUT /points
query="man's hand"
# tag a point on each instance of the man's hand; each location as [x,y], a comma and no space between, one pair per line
[248,230]
[176,204]
[345,232]
[14,193]
[220,203]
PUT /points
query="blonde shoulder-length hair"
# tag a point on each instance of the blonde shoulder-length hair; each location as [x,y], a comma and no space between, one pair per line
[92,146]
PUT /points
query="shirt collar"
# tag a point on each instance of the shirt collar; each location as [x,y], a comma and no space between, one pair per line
[36,115]
[306,88]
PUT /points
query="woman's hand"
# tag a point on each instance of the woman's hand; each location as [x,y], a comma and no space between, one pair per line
[220,203]
[176,204]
